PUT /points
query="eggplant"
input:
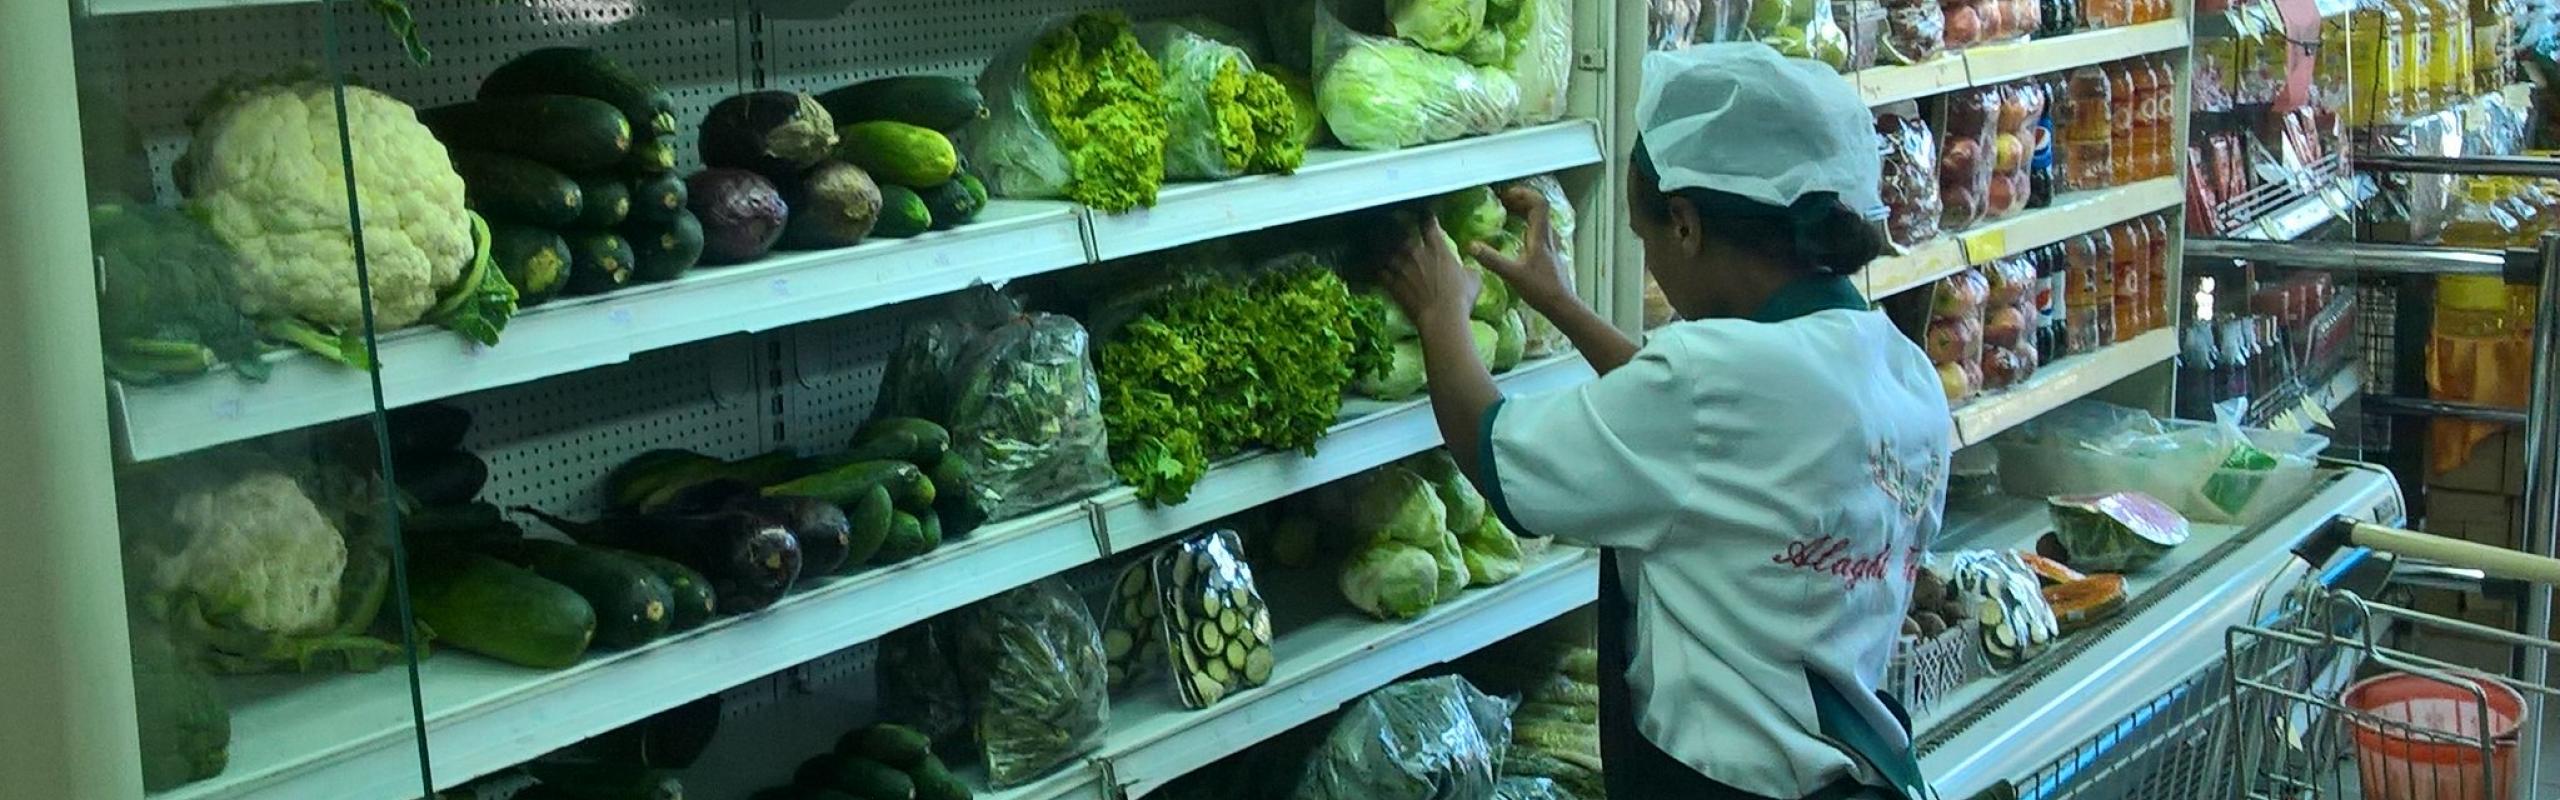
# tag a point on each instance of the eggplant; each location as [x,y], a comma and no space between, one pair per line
[445,478]
[825,536]
[750,561]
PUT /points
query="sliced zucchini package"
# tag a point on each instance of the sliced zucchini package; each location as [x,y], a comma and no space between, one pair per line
[2007,600]
[1133,626]
[1217,630]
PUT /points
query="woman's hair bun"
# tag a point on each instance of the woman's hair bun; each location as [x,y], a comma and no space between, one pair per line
[1832,239]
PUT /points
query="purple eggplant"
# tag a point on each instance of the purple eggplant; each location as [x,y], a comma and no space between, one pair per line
[751,561]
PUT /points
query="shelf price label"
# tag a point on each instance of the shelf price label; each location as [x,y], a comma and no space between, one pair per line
[1988,244]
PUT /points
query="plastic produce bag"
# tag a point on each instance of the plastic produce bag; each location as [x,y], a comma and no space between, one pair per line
[1097,141]
[920,683]
[1018,393]
[2013,141]
[1443,26]
[1953,340]
[1538,41]
[1378,93]
[1226,118]
[1216,627]
[1965,157]
[1914,31]
[1910,185]
[1417,740]
[1034,667]
[1543,338]
[1800,29]
[1133,626]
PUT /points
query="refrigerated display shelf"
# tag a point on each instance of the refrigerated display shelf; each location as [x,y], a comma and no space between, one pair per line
[1012,240]
[349,737]
[1990,64]
[2333,201]
[2070,215]
[2006,727]
[2059,383]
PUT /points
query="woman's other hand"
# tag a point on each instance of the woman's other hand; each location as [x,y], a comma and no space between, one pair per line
[1427,279]
[1537,276]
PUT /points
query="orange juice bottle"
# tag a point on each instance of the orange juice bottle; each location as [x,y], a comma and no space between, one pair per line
[2156,271]
[2151,119]
[2123,160]
[2130,248]
[2477,306]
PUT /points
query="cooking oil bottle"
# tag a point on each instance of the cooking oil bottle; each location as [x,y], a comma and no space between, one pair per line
[2451,45]
[2366,65]
[2476,306]
[2417,55]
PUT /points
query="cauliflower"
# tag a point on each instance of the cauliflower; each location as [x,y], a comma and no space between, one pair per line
[265,173]
[259,550]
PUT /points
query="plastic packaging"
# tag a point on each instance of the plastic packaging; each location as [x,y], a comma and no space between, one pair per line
[920,682]
[2209,472]
[2013,145]
[1017,392]
[1034,666]
[2088,133]
[1538,38]
[1019,152]
[1544,338]
[1914,31]
[1910,182]
[1863,22]
[1672,24]
[1416,740]
[1965,22]
[2117,532]
[1378,93]
[1800,29]
[1953,340]
[1211,132]
[2008,601]
[1965,157]
[1216,627]
[2008,323]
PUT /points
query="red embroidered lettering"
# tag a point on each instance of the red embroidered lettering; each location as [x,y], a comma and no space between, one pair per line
[1829,556]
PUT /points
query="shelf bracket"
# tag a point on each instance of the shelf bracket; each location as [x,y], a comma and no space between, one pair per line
[1099,522]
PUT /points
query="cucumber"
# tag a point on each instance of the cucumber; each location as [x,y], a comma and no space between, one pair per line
[599,262]
[935,782]
[902,213]
[533,258]
[505,188]
[586,73]
[629,599]
[956,500]
[652,156]
[909,536]
[952,204]
[657,197]
[899,153]
[929,101]
[870,521]
[663,251]
[909,439]
[895,745]
[487,606]
[863,777]
[689,599]
[608,202]
[844,484]
[565,131]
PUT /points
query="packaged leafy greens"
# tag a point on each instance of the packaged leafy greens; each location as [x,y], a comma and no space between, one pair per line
[1226,117]
[920,681]
[1416,740]
[1379,93]
[1033,663]
[1017,392]
[1078,111]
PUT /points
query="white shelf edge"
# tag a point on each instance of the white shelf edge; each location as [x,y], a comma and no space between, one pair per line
[1388,433]
[2070,215]
[2059,383]
[2000,63]
[2314,209]
[1338,181]
[1350,656]
[1015,239]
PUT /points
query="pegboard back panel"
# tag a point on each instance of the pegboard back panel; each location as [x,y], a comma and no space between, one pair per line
[831,372]
[159,67]
[904,37]
[550,443]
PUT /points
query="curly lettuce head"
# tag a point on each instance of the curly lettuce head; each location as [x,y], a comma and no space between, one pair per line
[1383,94]
[1104,96]
[1441,25]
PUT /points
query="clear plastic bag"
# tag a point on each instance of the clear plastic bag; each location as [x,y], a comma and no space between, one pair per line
[1672,24]
[1538,37]
[1020,151]
[2013,142]
[1033,662]
[1953,340]
[1965,157]
[1415,740]
[1214,127]
[1017,392]
[1910,185]
[1217,629]
[920,683]
[1800,29]
[1517,788]
[1378,93]
[1441,26]
[1544,339]
[1914,31]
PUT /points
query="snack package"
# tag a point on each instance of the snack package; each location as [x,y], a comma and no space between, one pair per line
[1910,181]
[1032,661]
[1965,158]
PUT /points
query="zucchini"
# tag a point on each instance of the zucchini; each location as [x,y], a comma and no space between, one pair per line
[652,156]
[504,188]
[895,745]
[930,101]
[845,484]
[587,73]
[599,262]
[663,251]
[565,131]
[487,606]
[657,197]
[870,521]
[906,539]
[534,259]
[899,153]
[902,213]
[608,201]
[956,499]
[952,204]
[689,599]
[629,599]
[909,439]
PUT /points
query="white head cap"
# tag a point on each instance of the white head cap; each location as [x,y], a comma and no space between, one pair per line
[1739,118]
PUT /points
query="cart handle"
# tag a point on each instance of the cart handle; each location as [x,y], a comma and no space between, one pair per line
[2495,562]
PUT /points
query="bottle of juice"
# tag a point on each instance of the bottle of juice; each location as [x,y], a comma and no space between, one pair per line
[2151,132]
[2452,49]
[2156,271]
[2417,55]
[2089,133]
[2123,114]
[2080,300]
[2475,305]
[2131,247]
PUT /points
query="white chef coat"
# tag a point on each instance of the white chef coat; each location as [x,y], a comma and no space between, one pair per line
[1768,485]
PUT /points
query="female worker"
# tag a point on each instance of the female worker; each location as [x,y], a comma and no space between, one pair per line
[1762,476]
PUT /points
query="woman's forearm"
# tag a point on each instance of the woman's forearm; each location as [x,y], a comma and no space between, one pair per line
[1600,343]
[1462,390]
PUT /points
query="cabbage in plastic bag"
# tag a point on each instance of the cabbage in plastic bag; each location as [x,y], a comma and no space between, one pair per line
[1544,339]
[1444,26]
[1415,740]
[1382,94]
[1538,54]
[1033,662]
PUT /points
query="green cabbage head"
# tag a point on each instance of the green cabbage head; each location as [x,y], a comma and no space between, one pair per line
[1390,580]
[1471,215]
[1441,25]
[1492,553]
[1399,506]
[1403,376]
[1383,94]
[1465,507]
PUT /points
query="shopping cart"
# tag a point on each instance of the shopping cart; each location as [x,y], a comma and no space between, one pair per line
[2318,701]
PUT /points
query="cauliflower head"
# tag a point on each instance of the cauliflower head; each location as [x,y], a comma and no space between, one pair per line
[259,550]
[266,176]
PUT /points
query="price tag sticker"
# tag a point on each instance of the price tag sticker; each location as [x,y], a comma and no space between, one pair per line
[780,287]
[1989,244]
[619,316]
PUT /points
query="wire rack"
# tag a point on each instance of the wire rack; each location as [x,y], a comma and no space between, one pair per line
[2171,748]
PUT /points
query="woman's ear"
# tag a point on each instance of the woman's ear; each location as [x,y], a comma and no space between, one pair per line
[1685,229]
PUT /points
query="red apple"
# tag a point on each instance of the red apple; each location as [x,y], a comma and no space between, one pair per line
[2003,326]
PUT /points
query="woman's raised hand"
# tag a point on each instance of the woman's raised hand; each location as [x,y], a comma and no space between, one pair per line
[1426,278]
[1537,276]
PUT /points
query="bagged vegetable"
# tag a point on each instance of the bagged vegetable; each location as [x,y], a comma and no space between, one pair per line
[1444,26]
[1415,740]
[1227,118]
[920,682]
[1133,626]
[1537,52]
[1543,338]
[1216,627]
[1033,664]
[1077,111]
[1381,94]
[1800,29]
[1018,394]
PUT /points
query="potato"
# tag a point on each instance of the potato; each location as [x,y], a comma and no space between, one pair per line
[1930,624]
[1911,626]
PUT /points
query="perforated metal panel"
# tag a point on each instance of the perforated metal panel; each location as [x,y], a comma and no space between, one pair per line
[828,374]
[550,443]
[905,37]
